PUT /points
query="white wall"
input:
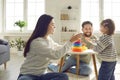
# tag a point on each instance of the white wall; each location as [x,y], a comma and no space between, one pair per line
[1,7]
[117,42]
[54,7]
[54,11]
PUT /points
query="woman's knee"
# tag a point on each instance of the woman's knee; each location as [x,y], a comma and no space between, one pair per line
[64,76]
[24,78]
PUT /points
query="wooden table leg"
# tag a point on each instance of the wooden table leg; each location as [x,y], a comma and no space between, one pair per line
[5,64]
[77,64]
[61,63]
[95,67]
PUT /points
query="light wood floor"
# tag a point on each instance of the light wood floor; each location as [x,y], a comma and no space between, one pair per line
[15,62]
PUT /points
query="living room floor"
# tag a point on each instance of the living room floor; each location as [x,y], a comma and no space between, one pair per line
[16,60]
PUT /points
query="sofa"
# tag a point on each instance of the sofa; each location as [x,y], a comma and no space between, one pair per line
[4,52]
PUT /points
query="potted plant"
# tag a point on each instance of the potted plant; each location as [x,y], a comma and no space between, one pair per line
[18,43]
[20,24]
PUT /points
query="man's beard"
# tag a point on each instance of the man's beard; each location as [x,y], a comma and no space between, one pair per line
[86,35]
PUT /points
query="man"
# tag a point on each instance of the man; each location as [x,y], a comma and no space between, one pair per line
[85,69]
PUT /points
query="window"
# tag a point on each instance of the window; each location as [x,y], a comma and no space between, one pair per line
[35,9]
[111,10]
[90,12]
[14,11]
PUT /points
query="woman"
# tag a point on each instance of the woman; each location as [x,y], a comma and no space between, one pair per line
[40,49]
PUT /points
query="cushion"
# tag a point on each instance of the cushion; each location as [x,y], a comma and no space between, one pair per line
[3,42]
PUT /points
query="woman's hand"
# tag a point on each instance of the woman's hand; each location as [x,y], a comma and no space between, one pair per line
[75,37]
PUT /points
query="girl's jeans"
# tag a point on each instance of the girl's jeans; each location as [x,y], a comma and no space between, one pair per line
[71,61]
[106,71]
[47,76]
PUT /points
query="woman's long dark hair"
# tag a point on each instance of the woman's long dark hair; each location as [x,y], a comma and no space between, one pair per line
[39,31]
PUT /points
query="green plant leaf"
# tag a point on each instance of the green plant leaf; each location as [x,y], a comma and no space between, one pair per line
[20,24]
